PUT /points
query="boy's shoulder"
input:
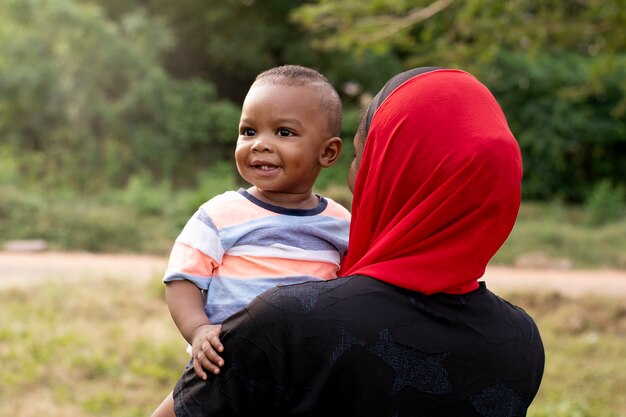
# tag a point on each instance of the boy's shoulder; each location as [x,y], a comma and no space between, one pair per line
[226,196]
[335,209]
[231,208]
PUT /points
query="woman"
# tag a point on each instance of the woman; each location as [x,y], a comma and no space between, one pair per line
[409,331]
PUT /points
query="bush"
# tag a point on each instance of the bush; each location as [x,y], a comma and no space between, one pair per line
[86,103]
[69,221]
[567,114]
[146,197]
[605,203]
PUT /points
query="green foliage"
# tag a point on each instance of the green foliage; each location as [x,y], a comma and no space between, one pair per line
[85,102]
[558,68]
[92,228]
[96,92]
[376,25]
[606,203]
[72,221]
[227,42]
[565,113]
[238,39]
[19,213]
[558,233]
[9,173]
[146,197]
[464,30]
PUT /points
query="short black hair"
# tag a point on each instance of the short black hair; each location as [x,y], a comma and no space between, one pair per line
[297,75]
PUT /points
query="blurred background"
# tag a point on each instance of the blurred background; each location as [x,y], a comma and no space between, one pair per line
[118,118]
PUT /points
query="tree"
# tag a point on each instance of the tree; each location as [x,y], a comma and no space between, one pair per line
[557,67]
[85,102]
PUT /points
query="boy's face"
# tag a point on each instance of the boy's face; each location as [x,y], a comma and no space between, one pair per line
[283,139]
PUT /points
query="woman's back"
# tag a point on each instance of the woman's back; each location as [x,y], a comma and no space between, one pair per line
[357,346]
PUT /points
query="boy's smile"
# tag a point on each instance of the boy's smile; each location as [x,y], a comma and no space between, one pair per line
[265,168]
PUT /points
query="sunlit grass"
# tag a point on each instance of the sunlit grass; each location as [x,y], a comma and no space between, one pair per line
[109,348]
[559,232]
[91,349]
[585,341]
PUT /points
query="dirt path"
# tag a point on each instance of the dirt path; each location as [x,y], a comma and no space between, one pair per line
[23,270]
[570,282]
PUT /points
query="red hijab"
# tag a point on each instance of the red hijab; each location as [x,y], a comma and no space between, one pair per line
[438,188]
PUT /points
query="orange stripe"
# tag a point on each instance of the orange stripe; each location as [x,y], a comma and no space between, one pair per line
[255,267]
[337,210]
[191,261]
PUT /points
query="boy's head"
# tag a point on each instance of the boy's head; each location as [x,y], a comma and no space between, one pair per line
[298,76]
[288,130]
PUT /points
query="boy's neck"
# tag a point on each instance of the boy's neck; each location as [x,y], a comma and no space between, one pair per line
[304,201]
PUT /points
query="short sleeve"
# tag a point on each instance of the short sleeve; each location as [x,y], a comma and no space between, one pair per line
[196,253]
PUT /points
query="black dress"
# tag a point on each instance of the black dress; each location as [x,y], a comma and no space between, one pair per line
[357,346]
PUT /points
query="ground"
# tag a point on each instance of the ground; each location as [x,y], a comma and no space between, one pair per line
[25,269]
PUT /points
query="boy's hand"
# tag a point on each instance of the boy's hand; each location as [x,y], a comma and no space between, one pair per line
[204,349]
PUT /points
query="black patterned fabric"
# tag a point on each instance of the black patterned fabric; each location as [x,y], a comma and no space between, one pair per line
[357,346]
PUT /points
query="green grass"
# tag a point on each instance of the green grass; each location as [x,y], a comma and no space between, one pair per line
[103,348]
[585,342]
[109,348]
[559,232]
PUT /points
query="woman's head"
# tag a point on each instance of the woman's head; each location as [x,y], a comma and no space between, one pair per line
[366,120]
[438,184]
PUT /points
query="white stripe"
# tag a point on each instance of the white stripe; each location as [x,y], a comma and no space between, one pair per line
[286,252]
[202,237]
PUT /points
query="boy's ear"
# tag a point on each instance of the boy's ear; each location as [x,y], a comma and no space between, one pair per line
[331,149]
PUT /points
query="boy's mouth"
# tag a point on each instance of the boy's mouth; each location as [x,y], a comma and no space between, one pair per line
[264,167]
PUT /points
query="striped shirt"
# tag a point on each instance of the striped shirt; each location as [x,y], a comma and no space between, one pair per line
[236,246]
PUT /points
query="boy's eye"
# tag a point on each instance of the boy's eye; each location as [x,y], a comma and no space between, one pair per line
[284,132]
[248,132]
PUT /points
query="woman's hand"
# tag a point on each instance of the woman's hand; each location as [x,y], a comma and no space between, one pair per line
[205,349]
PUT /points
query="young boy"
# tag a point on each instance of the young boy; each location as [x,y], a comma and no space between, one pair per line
[278,231]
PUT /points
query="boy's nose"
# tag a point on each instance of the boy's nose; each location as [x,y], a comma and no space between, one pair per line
[260,145]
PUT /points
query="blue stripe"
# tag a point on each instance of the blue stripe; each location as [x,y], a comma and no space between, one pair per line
[319,233]
[226,296]
[205,219]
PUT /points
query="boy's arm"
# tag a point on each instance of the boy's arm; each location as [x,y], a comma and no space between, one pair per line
[186,306]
